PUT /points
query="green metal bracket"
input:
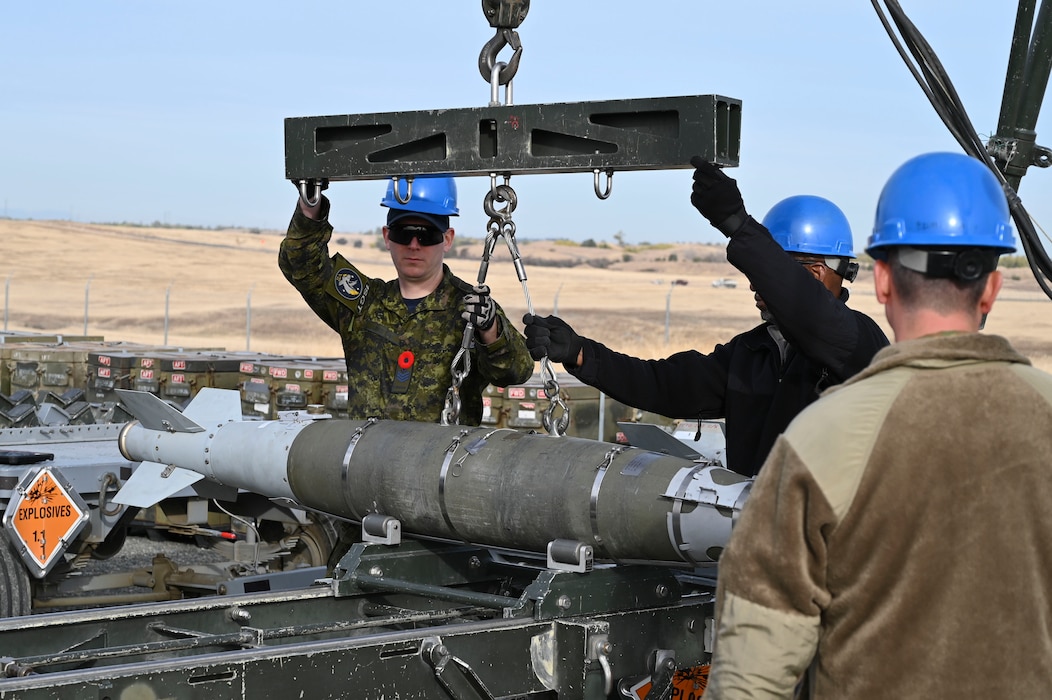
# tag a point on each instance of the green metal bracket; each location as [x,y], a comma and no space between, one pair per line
[566,594]
[658,133]
[464,574]
[437,571]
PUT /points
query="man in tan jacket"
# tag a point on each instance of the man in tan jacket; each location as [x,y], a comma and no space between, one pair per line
[896,543]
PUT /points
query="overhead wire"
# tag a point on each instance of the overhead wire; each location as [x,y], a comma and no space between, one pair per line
[934,81]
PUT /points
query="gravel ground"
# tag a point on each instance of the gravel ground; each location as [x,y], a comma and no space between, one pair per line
[137,553]
[139,550]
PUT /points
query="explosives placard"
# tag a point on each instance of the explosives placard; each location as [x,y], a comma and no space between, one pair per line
[44,517]
[687,684]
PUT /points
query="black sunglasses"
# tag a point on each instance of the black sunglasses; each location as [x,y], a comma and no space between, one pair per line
[845,268]
[404,234]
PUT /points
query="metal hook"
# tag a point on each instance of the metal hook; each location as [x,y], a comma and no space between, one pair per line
[408,190]
[603,194]
[488,56]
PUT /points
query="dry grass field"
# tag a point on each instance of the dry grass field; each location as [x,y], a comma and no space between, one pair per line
[51,268]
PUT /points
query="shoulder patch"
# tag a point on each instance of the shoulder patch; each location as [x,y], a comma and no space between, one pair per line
[347,284]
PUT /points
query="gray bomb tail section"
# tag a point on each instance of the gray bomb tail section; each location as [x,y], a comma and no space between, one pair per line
[155,414]
[177,450]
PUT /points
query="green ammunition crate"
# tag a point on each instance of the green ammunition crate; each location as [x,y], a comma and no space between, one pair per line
[494,412]
[334,385]
[272,383]
[39,367]
[525,404]
[182,374]
[113,366]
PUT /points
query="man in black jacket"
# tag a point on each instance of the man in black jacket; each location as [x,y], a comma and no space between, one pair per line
[796,263]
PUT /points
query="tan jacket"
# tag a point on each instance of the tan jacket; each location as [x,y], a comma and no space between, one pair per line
[900,536]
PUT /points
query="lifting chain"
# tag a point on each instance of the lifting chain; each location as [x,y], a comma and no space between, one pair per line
[460,369]
[505,16]
[501,225]
[461,366]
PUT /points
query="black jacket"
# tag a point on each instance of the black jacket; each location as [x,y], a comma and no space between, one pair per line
[745,381]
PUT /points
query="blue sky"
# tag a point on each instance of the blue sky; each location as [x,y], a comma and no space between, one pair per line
[173,111]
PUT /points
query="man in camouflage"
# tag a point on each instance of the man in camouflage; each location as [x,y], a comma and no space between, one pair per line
[400,337]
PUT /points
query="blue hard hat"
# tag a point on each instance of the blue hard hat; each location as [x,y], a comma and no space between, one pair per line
[430,194]
[942,200]
[809,224]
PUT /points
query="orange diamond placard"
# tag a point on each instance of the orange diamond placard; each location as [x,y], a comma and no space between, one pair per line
[44,516]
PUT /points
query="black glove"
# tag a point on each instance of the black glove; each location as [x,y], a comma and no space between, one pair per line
[479,308]
[717,197]
[553,337]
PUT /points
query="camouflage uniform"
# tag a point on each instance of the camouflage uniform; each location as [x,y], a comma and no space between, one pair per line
[398,363]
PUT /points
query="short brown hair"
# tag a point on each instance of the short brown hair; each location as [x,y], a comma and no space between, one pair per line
[941,294]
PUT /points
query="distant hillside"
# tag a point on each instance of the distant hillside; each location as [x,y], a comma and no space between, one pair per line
[222,288]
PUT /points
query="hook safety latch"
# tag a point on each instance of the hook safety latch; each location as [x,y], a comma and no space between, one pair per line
[488,56]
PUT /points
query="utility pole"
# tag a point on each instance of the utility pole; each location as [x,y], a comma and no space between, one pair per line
[248,320]
[87,293]
[668,310]
[167,296]
[668,307]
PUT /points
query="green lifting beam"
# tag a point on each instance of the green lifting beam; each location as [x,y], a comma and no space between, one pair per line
[659,133]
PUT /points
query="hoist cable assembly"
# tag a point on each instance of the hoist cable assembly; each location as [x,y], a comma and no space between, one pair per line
[1013,150]
[505,16]
[501,140]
